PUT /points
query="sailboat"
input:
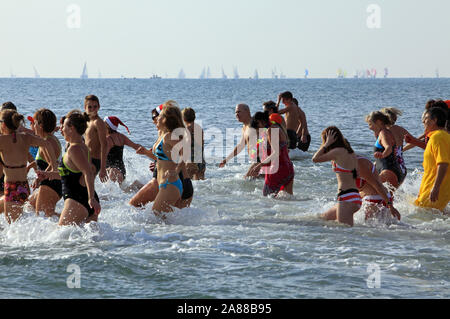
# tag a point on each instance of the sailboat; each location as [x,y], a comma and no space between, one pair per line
[36,74]
[386,72]
[99,74]
[437,73]
[181,74]
[256,75]
[373,73]
[274,74]
[282,76]
[208,73]
[84,75]
[235,73]
[12,74]
[203,74]
[224,76]
[306,73]
[340,74]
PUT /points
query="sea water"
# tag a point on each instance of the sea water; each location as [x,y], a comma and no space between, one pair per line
[232,242]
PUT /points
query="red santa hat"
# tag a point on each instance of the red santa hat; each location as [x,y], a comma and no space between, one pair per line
[159,109]
[114,122]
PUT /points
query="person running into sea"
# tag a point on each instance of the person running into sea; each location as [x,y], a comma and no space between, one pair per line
[116,141]
[399,133]
[295,122]
[337,149]
[242,115]
[423,139]
[77,173]
[385,150]
[48,192]
[435,185]
[95,136]
[280,174]
[149,191]
[304,138]
[14,157]
[196,169]
[257,152]
[169,161]
[374,195]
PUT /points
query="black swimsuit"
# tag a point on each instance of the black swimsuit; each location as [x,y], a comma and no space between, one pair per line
[71,187]
[389,163]
[115,159]
[54,184]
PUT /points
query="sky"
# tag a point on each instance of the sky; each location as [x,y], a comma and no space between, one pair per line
[138,38]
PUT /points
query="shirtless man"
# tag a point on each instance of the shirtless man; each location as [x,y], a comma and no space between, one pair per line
[242,115]
[95,136]
[296,125]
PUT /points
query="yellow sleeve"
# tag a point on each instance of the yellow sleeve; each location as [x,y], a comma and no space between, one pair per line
[441,147]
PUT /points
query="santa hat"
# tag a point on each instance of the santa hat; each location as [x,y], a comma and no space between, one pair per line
[159,109]
[114,122]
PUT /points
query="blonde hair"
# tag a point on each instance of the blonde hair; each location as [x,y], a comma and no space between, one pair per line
[377,115]
[392,113]
[172,115]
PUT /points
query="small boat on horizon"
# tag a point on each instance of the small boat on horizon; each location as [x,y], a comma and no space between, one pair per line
[84,74]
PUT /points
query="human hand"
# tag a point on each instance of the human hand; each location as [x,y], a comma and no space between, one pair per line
[222,164]
[141,150]
[152,166]
[378,155]
[434,195]
[95,205]
[103,175]
[395,212]
[330,138]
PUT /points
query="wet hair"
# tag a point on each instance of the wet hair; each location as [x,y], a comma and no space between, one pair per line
[340,140]
[46,118]
[377,115]
[295,101]
[188,115]
[92,97]
[78,120]
[260,116]
[270,106]
[438,114]
[12,119]
[440,104]
[287,95]
[429,104]
[9,106]
[172,114]
[392,113]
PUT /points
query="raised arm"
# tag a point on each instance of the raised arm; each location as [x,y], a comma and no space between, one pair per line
[236,151]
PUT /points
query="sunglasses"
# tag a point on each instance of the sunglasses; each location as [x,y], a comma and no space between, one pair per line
[154,117]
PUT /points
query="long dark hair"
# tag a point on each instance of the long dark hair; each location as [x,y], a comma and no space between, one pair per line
[340,140]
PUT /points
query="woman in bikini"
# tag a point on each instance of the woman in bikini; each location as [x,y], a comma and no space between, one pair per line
[385,150]
[169,162]
[81,203]
[337,149]
[280,174]
[48,192]
[116,141]
[150,190]
[14,148]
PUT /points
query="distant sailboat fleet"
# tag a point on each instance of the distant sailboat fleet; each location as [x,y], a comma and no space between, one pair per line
[207,74]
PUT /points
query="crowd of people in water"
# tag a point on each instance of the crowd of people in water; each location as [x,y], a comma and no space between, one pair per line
[95,147]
